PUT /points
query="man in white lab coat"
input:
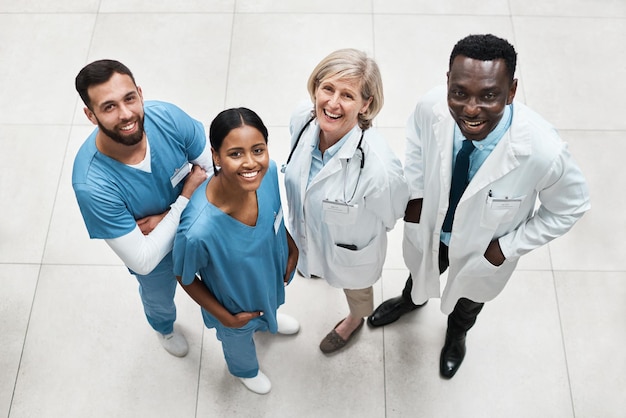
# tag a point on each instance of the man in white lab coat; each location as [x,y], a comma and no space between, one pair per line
[516,158]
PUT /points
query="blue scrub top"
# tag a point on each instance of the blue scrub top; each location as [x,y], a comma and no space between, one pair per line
[112,195]
[243,266]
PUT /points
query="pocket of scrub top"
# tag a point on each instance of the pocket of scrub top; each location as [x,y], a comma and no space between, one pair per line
[361,258]
[500,210]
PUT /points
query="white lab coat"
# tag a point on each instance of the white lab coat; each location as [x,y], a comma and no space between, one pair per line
[380,198]
[529,162]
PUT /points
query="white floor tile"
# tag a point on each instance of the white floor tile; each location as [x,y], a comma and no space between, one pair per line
[567,91]
[450,7]
[90,351]
[39,55]
[265,45]
[593,318]
[165,6]
[320,6]
[578,8]
[189,69]
[18,290]
[30,166]
[35,6]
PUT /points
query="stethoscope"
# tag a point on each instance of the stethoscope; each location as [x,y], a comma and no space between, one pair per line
[345,177]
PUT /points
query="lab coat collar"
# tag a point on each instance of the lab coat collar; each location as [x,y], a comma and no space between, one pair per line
[444,134]
[504,158]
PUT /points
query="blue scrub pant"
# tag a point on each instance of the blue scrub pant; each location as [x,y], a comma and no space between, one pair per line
[157,290]
[239,349]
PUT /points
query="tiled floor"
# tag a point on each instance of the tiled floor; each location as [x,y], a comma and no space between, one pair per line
[73,342]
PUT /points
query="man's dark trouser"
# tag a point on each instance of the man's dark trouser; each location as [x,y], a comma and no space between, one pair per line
[463,317]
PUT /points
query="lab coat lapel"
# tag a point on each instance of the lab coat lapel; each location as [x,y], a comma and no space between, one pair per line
[309,140]
[444,135]
[502,160]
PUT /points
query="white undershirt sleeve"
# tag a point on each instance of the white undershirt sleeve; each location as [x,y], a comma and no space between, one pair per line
[205,160]
[142,253]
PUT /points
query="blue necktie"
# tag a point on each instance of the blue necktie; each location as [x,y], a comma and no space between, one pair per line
[459,182]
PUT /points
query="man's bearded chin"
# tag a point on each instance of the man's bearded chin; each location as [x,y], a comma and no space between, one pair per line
[128,140]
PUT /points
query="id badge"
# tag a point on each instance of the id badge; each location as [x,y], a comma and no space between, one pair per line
[180,174]
[505,204]
[339,213]
[500,209]
[278,218]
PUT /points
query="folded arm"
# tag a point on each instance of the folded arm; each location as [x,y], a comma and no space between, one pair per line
[144,247]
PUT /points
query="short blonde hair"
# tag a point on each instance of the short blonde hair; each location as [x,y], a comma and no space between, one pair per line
[352,64]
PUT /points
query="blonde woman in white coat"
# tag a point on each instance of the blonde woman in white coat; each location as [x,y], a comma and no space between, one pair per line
[518,161]
[345,187]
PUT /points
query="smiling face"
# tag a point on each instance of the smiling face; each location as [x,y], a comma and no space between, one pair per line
[338,103]
[117,109]
[243,158]
[478,92]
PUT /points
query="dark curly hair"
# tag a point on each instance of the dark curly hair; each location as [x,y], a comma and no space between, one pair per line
[486,48]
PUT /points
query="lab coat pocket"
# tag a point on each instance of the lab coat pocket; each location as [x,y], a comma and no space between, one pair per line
[500,210]
[362,261]
[486,266]
[484,281]
[413,245]
[479,267]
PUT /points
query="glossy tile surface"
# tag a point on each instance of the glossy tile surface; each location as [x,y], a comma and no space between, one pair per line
[73,338]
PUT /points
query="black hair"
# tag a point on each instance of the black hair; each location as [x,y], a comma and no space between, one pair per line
[486,48]
[98,72]
[230,119]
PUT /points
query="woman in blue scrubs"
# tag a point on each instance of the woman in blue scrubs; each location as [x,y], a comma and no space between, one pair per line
[232,253]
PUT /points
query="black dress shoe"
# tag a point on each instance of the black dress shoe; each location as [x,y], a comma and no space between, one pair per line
[391,310]
[452,355]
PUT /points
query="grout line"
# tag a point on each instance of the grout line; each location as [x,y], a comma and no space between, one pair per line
[382,288]
[559,316]
[230,54]
[384,357]
[569,379]
[19,363]
[199,370]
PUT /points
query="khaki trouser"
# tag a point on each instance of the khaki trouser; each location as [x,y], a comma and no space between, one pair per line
[360,301]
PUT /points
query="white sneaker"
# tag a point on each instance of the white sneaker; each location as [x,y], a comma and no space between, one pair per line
[287,325]
[258,384]
[174,343]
